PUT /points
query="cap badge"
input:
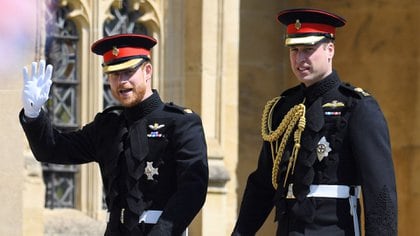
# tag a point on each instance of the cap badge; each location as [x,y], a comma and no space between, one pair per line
[115,51]
[323,148]
[298,25]
[149,171]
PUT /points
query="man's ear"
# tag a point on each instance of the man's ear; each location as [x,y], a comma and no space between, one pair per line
[331,49]
[148,70]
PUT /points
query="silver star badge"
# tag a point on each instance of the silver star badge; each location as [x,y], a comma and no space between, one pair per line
[323,148]
[149,171]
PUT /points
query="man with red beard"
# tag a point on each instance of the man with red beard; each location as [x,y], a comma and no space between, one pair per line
[152,155]
[326,143]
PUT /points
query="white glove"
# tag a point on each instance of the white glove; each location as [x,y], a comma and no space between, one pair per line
[36,88]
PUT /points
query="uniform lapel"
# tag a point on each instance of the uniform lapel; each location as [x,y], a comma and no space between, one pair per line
[315,116]
[138,140]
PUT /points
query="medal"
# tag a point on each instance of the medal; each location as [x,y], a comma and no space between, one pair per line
[323,148]
[149,171]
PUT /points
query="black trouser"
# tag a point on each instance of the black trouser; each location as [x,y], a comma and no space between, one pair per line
[127,225]
[332,217]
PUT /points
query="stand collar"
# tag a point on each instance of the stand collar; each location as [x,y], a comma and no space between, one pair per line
[318,89]
[143,108]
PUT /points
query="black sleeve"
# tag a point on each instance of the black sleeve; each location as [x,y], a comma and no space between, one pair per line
[372,150]
[192,177]
[257,200]
[49,145]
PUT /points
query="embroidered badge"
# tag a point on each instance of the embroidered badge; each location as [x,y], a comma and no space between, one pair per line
[333,104]
[323,148]
[150,171]
[155,133]
[156,126]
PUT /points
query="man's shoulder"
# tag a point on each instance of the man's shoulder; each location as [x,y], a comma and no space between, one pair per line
[109,114]
[351,90]
[180,115]
[177,109]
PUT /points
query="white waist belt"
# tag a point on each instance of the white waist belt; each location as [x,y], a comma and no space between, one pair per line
[334,191]
[327,191]
[147,217]
[150,217]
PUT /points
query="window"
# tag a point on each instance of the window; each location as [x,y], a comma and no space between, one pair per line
[125,19]
[62,107]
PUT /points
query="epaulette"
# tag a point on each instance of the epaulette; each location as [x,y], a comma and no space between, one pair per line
[173,107]
[359,92]
[113,109]
[292,90]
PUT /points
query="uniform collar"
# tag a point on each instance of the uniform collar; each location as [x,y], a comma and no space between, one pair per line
[143,108]
[318,89]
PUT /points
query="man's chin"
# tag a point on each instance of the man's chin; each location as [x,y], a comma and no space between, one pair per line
[307,80]
[128,102]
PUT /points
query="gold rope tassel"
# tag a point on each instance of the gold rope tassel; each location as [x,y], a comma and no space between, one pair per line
[296,147]
[295,114]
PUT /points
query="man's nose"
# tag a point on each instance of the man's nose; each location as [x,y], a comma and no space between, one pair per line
[300,57]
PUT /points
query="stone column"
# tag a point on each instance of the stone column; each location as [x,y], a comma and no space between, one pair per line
[22,189]
[219,108]
[11,170]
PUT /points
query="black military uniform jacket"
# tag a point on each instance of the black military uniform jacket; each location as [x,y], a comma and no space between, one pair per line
[152,157]
[359,153]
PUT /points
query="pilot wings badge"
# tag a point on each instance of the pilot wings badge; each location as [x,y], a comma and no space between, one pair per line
[156,126]
[155,131]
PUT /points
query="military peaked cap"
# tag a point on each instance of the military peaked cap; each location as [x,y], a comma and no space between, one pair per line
[123,51]
[307,26]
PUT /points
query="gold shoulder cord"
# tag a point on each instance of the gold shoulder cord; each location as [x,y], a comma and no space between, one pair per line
[295,114]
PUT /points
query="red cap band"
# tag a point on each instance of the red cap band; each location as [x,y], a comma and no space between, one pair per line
[302,28]
[118,53]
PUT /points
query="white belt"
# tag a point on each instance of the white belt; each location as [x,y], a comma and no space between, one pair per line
[147,217]
[150,217]
[327,191]
[335,191]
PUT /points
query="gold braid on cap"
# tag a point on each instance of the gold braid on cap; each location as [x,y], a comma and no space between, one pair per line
[295,114]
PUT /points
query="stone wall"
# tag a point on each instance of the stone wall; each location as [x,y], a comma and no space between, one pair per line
[17,39]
